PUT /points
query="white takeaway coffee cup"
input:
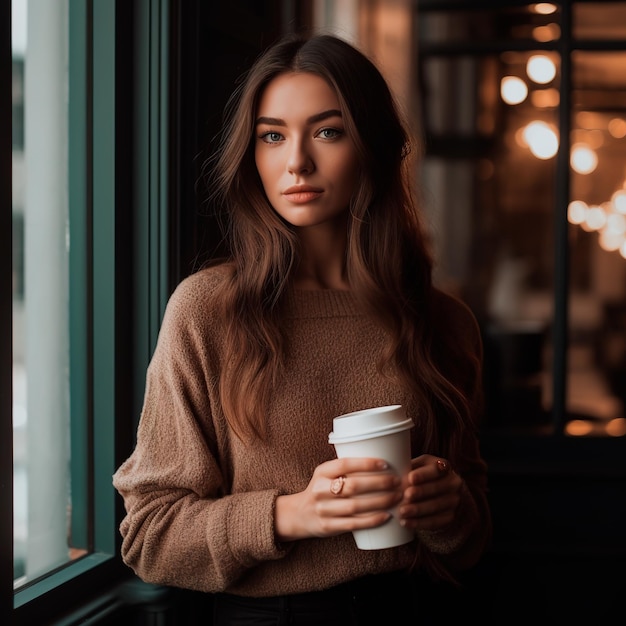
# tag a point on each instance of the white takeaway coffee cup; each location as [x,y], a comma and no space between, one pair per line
[382,433]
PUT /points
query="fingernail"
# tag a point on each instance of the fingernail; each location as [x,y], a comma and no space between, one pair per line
[383,465]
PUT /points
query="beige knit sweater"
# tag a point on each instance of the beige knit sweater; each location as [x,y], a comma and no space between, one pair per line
[200,504]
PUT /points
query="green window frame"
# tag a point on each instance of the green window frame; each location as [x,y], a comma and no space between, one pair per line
[119,283]
[6,357]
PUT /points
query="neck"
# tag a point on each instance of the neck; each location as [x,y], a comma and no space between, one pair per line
[323,261]
[311,278]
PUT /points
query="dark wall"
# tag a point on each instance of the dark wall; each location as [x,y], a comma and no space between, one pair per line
[213,43]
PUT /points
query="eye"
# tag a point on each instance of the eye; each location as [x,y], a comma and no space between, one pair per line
[329,133]
[271,137]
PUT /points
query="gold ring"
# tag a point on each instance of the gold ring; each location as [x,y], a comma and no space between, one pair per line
[336,486]
[443,465]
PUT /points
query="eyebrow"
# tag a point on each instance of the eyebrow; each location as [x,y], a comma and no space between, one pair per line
[318,117]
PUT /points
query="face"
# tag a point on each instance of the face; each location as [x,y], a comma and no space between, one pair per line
[307,163]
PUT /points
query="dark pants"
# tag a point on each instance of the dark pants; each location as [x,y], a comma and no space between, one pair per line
[384,600]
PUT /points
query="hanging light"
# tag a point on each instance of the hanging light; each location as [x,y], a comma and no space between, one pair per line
[616,223]
[618,201]
[610,241]
[583,159]
[616,427]
[607,219]
[544,8]
[540,69]
[513,90]
[549,32]
[541,139]
[576,212]
[617,128]
[595,219]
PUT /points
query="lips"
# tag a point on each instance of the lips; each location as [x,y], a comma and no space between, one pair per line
[300,194]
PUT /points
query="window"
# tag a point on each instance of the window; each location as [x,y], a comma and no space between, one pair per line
[87,274]
[524,114]
[41,402]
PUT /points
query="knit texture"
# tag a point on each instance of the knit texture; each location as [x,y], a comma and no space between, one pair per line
[200,503]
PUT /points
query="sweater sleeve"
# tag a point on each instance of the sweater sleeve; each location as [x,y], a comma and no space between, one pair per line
[182,526]
[461,544]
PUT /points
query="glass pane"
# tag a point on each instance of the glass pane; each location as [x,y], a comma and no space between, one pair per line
[599,20]
[42,500]
[533,21]
[597,216]
[491,127]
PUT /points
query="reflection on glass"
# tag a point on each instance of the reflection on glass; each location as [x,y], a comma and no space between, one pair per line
[493,181]
[541,68]
[513,89]
[599,20]
[40,288]
[532,21]
[597,217]
[491,116]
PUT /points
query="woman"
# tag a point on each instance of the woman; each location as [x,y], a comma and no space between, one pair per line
[324,306]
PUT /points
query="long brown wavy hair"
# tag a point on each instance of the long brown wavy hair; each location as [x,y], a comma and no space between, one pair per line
[388,260]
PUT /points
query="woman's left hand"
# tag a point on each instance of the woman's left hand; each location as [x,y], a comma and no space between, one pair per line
[432,494]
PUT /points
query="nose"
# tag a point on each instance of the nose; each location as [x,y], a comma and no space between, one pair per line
[299,159]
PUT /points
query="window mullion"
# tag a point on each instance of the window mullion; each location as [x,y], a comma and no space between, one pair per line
[561,228]
[6,278]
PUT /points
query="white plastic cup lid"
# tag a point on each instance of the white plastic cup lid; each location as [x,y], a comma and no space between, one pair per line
[369,423]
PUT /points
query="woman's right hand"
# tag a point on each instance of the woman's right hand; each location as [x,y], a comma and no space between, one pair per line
[343,495]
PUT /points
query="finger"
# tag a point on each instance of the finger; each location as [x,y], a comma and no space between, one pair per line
[357,506]
[362,484]
[432,522]
[435,470]
[350,465]
[420,461]
[426,490]
[432,506]
[337,525]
